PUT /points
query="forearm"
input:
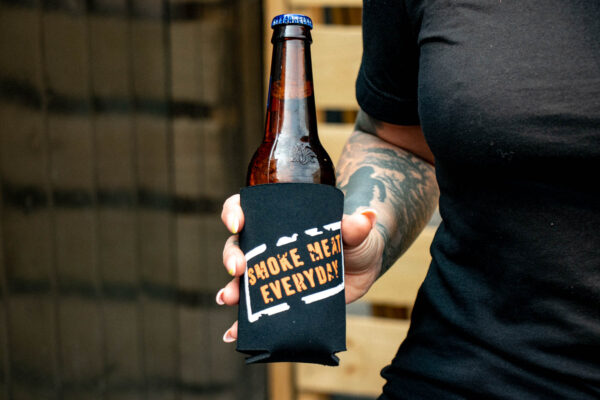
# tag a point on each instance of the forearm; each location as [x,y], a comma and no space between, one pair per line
[399,185]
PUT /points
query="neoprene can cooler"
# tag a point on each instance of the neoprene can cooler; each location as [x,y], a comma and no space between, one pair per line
[292,305]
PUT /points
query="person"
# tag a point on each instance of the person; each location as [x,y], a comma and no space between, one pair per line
[498,103]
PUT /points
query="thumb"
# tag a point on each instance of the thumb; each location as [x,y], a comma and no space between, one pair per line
[356,227]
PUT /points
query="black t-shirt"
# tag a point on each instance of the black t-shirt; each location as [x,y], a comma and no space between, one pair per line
[508,95]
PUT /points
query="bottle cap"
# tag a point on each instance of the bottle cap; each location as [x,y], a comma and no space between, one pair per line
[292,19]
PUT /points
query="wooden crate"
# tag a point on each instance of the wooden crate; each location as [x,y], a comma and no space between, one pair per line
[372,339]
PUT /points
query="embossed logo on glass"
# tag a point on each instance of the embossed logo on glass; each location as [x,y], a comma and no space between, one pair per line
[303,154]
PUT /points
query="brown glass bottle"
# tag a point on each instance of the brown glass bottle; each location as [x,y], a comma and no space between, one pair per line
[291,150]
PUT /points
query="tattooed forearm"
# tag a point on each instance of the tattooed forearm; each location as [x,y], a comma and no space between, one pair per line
[400,186]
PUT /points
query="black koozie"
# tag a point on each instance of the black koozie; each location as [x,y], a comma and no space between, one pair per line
[292,305]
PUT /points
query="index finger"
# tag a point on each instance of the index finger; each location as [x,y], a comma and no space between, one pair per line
[232,214]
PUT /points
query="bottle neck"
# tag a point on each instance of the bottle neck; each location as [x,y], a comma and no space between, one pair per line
[291,102]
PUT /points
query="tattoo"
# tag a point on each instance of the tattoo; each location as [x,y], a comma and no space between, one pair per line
[398,184]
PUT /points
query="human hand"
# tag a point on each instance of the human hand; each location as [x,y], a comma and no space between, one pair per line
[363,249]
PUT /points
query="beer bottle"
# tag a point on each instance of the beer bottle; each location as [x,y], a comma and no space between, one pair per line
[291,150]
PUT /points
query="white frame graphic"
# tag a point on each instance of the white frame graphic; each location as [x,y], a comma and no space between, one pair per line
[311,298]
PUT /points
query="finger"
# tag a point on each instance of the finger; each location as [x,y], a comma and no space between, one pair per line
[356,227]
[233,257]
[232,214]
[230,294]
[231,333]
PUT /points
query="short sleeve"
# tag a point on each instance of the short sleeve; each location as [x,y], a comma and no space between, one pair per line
[386,87]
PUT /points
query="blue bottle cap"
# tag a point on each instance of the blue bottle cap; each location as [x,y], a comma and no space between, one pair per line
[292,19]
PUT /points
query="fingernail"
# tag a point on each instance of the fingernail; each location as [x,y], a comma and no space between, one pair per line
[231,266]
[219,297]
[235,225]
[371,214]
[227,338]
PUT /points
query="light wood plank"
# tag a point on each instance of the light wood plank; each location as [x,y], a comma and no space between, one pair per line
[312,396]
[372,343]
[280,376]
[333,137]
[336,54]
[399,285]
[325,3]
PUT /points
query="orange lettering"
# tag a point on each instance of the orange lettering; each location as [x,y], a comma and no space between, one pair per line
[285,263]
[296,258]
[309,275]
[265,294]
[299,282]
[334,247]
[261,270]
[325,248]
[276,289]
[273,266]
[286,286]
[315,251]
[321,275]
[330,275]
[251,277]
[334,264]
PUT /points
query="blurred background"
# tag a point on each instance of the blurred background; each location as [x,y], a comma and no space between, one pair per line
[124,124]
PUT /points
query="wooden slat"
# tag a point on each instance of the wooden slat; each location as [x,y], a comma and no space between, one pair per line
[117,260]
[160,322]
[80,322]
[336,54]
[372,342]
[110,66]
[5,372]
[193,344]
[208,175]
[280,375]
[81,350]
[160,339]
[152,158]
[313,396]
[333,137]
[114,148]
[149,73]
[65,54]
[33,346]
[21,145]
[5,380]
[271,8]
[198,59]
[399,286]
[325,3]
[251,90]
[19,44]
